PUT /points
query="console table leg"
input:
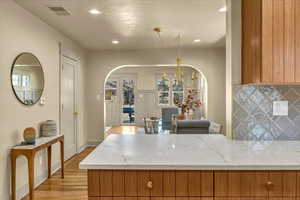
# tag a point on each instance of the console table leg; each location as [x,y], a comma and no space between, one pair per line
[13,176]
[62,158]
[49,151]
[31,176]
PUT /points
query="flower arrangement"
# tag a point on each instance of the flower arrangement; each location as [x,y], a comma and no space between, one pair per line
[189,103]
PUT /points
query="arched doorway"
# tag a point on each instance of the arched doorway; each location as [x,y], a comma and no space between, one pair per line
[145,99]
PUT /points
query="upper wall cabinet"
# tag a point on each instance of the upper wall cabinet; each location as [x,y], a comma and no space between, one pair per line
[271,42]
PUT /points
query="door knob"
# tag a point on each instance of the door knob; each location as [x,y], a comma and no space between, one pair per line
[150,184]
[269,185]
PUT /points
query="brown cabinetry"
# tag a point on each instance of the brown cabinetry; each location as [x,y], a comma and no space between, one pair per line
[271,41]
[257,184]
[114,183]
[193,185]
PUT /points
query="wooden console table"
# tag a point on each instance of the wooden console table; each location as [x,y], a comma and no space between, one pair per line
[29,152]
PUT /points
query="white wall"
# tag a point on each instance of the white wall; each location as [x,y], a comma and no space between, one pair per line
[233,56]
[20,32]
[210,61]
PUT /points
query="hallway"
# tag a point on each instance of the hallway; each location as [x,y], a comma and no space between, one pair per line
[125,130]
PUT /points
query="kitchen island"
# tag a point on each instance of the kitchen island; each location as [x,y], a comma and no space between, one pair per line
[192,166]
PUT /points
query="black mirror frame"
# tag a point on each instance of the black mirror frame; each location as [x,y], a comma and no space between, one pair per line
[11,80]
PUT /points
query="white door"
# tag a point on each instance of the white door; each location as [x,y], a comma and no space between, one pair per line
[69,113]
[112,103]
[128,101]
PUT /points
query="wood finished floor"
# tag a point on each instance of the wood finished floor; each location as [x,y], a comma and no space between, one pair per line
[72,187]
[123,130]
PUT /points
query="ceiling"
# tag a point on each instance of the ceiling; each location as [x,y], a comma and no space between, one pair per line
[132,21]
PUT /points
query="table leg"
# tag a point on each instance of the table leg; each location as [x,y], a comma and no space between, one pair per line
[49,151]
[62,158]
[13,176]
[30,159]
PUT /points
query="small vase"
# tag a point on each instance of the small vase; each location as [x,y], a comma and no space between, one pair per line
[29,135]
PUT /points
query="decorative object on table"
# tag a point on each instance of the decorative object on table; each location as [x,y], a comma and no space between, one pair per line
[153,118]
[29,136]
[190,103]
[151,125]
[49,128]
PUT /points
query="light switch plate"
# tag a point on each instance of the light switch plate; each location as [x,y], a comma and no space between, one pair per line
[280,108]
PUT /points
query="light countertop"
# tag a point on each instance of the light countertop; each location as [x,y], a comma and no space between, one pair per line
[192,152]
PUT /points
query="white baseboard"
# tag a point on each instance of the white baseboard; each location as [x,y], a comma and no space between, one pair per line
[94,143]
[89,144]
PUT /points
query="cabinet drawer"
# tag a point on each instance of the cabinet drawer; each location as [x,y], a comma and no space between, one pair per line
[241,183]
[284,184]
[271,184]
[131,183]
[150,198]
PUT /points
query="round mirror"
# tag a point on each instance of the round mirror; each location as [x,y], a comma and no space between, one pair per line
[27,78]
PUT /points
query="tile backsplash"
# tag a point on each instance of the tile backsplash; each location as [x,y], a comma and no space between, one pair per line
[253,113]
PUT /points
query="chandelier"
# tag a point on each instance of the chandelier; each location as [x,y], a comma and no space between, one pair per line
[178,75]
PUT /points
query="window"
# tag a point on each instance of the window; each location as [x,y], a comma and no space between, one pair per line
[16,79]
[25,81]
[163,92]
[110,89]
[21,80]
[169,95]
[177,92]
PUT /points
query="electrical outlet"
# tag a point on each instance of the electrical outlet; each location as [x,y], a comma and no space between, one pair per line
[280,108]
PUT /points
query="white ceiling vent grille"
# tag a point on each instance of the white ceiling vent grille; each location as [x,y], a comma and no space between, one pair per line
[61,11]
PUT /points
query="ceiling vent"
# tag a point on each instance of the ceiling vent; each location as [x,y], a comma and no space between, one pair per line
[61,11]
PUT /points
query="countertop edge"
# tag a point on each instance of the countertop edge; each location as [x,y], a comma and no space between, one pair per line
[177,167]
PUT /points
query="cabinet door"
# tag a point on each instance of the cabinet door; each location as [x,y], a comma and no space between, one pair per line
[279,41]
[157,182]
[241,184]
[93,183]
[251,41]
[143,178]
[106,185]
[284,184]
[182,184]
[118,182]
[169,180]
[297,40]
[130,182]
[94,198]
[123,198]
[200,183]
[241,198]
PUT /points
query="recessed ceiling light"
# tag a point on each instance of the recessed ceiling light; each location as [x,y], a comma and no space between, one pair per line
[223,9]
[197,40]
[94,12]
[115,42]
